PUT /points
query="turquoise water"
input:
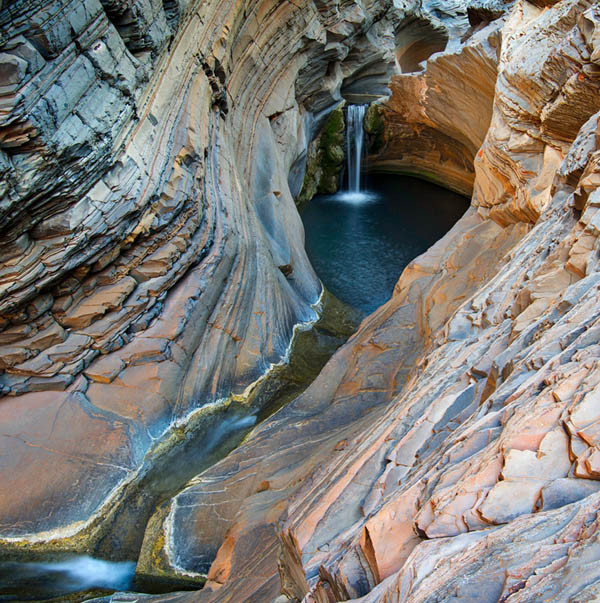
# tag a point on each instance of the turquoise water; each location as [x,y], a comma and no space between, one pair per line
[359,243]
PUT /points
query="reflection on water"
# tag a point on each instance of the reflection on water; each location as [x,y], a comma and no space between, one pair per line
[28,581]
[359,242]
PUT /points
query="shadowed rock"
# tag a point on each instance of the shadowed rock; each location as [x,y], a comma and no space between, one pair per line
[152,255]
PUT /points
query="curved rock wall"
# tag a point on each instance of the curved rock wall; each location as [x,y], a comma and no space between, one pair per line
[152,257]
[436,118]
[448,450]
[543,98]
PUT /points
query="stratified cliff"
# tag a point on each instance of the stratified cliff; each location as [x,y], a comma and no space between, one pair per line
[153,265]
[440,110]
[152,256]
[448,451]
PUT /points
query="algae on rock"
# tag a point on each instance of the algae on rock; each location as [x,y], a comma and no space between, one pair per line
[325,158]
[374,126]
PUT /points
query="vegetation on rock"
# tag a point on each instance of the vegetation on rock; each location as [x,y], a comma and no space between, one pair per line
[374,126]
[325,158]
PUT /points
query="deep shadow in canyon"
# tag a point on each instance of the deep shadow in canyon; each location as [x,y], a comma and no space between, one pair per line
[157,302]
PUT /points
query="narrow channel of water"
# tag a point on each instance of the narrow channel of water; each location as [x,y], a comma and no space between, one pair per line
[59,578]
[192,448]
[359,243]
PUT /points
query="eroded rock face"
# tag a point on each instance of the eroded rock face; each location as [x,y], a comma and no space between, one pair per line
[448,450]
[152,256]
[436,118]
[326,424]
[543,98]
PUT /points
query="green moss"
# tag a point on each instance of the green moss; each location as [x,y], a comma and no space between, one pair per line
[325,158]
[334,128]
[311,176]
[332,151]
[374,125]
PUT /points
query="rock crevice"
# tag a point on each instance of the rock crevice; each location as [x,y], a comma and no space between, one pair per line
[153,258]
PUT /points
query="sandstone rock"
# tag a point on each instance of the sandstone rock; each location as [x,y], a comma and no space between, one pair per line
[436,119]
[457,472]
[145,148]
[451,448]
[350,405]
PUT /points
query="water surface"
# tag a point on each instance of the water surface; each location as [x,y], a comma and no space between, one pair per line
[42,580]
[359,243]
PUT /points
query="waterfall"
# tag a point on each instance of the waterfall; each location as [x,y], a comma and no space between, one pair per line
[354,144]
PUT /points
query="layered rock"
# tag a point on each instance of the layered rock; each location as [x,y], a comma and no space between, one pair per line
[152,256]
[448,450]
[543,98]
[436,118]
[326,424]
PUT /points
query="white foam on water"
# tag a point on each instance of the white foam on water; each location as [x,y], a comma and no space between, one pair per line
[226,428]
[356,197]
[87,572]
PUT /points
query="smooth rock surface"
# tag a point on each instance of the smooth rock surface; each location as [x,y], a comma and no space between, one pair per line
[152,255]
[449,450]
[436,118]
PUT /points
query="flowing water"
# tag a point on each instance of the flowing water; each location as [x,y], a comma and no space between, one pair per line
[31,581]
[354,145]
[360,243]
[199,444]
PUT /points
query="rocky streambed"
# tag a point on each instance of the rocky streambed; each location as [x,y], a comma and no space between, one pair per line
[153,264]
[198,442]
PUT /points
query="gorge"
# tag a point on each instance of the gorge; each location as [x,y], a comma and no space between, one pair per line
[167,397]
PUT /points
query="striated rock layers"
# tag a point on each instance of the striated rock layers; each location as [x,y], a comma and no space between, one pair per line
[152,258]
[436,119]
[448,451]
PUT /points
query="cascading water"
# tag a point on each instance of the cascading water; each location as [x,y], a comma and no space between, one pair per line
[354,145]
[360,239]
[42,580]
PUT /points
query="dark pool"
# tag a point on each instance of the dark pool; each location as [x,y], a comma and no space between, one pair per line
[360,243]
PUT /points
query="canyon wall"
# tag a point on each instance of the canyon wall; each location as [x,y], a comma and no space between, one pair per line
[152,256]
[448,450]
[441,104]
[153,265]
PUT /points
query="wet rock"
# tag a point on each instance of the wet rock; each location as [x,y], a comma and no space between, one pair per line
[451,447]
[152,256]
[325,157]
